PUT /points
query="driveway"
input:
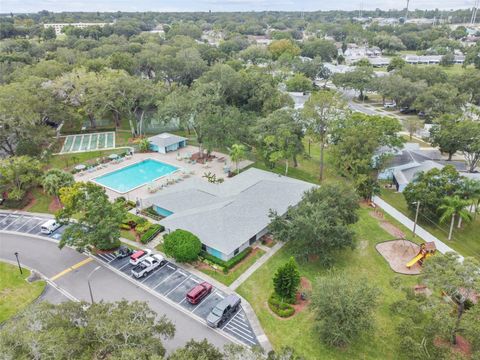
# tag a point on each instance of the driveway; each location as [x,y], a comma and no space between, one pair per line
[165,288]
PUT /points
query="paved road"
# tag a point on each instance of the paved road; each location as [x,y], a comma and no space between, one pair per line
[170,283]
[44,256]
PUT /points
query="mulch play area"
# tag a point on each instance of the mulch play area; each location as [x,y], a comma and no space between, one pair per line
[305,287]
[398,253]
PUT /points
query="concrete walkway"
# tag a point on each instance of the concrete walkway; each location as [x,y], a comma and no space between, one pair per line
[421,232]
[241,279]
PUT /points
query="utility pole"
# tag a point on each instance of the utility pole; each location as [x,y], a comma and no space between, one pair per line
[406,12]
[416,217]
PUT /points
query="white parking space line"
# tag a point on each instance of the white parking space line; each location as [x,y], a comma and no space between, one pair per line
[181,272]
[154,271]
[241,331]
[168,277]
[13,222]
[243,337]
[171,267]
[242,325]
[105,258]
[177,285]
[128,263]
[5,218]
[233,317]
[204,299]
[29,222]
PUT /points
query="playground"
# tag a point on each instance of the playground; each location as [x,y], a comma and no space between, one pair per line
[404,256]
[398,253]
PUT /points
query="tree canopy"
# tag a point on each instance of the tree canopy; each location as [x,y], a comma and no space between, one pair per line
[97,219]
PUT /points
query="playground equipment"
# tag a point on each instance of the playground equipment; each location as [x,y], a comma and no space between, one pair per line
[426,250]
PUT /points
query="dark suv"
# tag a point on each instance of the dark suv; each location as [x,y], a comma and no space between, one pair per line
[223,310]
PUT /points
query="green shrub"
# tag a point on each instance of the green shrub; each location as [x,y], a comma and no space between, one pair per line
[182,245]
[125,226]
[143,228]
[227,265]
[151,233]
[279,307]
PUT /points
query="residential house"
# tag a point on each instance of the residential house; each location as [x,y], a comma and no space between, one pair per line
[230,216]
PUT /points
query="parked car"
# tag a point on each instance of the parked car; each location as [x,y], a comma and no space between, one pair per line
[139,255]
[49,227]
[223,311]
[123,252]
[421,114]
[390,105]
[407,110]
[195,295]
[147,265]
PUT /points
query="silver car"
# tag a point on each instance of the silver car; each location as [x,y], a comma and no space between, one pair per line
[223,310]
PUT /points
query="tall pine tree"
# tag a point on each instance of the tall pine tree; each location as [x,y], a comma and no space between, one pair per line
[287,280]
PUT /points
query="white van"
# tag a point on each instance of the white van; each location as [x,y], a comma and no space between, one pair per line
[49,227]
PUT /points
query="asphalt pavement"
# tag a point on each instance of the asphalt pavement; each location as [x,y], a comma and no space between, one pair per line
[45,257]
[68,270]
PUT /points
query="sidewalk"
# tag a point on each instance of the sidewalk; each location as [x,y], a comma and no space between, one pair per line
[421,232]
[241,279]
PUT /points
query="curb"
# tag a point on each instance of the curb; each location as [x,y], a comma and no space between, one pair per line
[164,298]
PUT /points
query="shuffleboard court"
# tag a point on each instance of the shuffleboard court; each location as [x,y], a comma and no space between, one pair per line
[88,142]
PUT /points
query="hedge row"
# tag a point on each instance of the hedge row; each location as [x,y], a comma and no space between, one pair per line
[279,307]
[227,265]
[153,231]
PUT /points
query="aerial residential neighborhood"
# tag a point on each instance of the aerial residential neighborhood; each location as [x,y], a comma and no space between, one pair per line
[239,180]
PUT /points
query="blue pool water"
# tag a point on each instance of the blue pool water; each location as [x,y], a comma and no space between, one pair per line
[133,176]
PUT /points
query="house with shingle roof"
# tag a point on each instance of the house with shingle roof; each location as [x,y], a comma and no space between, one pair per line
[228,217]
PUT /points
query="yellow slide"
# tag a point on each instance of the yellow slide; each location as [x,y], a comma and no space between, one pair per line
[414,260]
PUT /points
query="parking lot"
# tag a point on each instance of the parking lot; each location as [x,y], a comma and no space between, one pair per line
[168,281]
[26,224]
[172,282]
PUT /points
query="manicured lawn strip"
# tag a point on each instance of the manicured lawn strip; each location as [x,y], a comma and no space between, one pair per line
[414,140]
[127,235]
[299,331]
[68,161]
[229,278]
[121,137]
[42,202]
[16,293]
[465,240]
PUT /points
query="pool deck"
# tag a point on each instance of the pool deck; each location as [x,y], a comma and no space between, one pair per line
[214,167]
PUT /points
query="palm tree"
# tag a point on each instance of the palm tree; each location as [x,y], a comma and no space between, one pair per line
[237,154]
[54,180]
[470,190]
[144,145]
[454,206]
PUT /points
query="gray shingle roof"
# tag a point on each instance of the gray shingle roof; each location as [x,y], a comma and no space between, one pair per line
[226,215]
[165,139]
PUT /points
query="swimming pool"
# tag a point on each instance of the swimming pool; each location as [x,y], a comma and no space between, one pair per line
[133,176]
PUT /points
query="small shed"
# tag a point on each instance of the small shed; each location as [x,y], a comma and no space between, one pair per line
[166,142]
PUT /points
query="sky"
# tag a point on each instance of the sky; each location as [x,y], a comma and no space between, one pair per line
[221,5]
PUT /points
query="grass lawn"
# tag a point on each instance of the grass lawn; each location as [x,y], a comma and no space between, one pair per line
[127,235]
[416,140]
[68,161]
[465,240]
[16,293]
[42,202]
[122,137]
[229,278]
[299,332]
